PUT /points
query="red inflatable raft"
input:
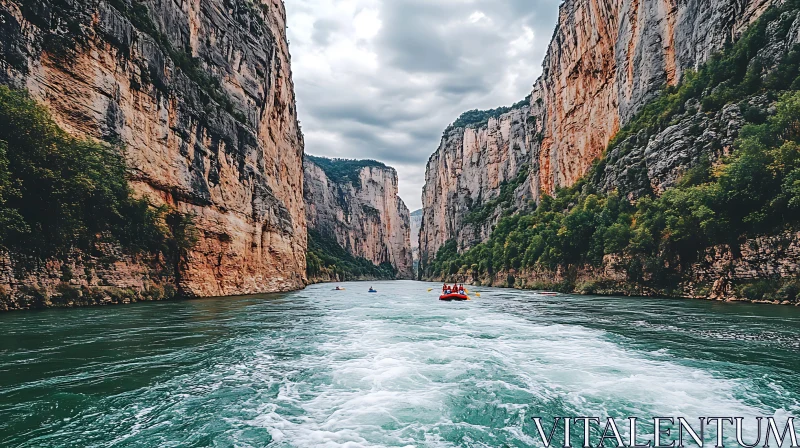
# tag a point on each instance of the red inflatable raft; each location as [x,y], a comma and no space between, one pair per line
[452,297]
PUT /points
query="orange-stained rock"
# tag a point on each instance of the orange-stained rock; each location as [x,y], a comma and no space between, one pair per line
[467,172]
[230,155]
[607,59]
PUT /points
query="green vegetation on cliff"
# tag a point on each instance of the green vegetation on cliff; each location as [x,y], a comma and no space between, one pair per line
[728,77]
[754,191]
[481,212]
[326,259]
[343,171]
[476,118]
[59,194]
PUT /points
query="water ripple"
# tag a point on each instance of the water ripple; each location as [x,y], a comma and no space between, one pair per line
[350,369]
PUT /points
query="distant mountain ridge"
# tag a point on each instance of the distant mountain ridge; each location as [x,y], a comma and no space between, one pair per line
[416,224]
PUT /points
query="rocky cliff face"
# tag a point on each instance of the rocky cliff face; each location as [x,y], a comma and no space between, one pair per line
[606,60]
[467,173]
[416,223]
[200,94]
[609,58]
[367,218]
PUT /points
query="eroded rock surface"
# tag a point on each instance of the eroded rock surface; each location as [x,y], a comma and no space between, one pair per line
[609,58]
[367,218]
[606,60]
[201,96]
[467,172]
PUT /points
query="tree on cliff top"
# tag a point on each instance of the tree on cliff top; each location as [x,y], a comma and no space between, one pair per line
[476,117]
[344,171]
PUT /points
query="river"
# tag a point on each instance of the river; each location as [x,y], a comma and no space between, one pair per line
[398,368]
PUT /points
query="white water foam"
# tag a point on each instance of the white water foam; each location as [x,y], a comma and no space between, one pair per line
[386,384]
[402,369]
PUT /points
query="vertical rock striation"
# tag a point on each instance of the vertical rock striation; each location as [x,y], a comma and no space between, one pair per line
[201,96]
[416,223]
[467,172]
[366,217]
[606,60]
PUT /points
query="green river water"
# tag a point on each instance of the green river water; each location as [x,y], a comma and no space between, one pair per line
[398,368]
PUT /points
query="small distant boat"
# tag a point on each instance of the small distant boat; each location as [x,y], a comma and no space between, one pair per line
[453,297]
[372,291]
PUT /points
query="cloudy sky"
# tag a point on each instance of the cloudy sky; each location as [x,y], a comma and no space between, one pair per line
[381,79]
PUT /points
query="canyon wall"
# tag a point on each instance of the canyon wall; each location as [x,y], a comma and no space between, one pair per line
[416,223]
[467,172]
[363,214]
[201,97]
[609,58]
[606,60]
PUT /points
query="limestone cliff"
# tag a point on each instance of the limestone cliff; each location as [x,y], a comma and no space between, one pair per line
[201,96]
[673,182]
[416,223]
[358,206]
[466,174]
[609,58]
[606,60]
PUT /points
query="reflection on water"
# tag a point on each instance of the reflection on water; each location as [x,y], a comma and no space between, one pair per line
[322,367]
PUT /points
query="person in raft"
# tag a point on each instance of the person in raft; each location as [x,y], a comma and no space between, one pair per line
[445,289]
[461,289]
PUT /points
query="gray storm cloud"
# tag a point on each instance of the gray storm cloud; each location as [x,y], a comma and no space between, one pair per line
[381,79]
